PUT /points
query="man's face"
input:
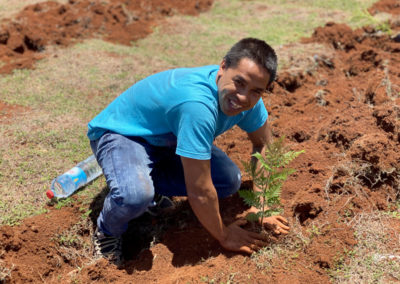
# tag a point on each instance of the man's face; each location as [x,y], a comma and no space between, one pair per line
[240,87]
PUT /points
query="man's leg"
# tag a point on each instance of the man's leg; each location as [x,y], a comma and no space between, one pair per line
[169,180]
[126,167]
[134,170]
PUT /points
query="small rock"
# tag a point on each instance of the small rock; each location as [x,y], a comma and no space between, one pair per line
[322,82]
[320,97]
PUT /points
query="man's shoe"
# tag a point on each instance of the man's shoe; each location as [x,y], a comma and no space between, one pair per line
[160,204]
[108,247]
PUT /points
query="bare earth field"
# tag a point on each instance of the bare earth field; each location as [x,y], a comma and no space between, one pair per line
[342,107]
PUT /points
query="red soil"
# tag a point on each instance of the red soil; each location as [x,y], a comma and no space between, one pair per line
[344,111]
[7,111]
[387,6]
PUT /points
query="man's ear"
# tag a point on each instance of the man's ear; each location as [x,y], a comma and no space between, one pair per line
[222,65]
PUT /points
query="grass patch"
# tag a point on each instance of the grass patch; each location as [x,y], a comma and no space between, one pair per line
[202,40]
[376,257]
[74,244]
[16,213]
[287,250]
[36,157]
[5,272]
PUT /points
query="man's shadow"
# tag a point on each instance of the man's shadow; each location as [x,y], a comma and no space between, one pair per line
[178,229]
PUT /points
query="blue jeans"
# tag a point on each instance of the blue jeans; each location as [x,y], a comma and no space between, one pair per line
[135,170]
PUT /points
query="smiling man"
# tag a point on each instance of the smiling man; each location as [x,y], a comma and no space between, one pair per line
[156,139]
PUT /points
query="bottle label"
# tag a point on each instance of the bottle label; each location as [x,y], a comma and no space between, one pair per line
[78,176]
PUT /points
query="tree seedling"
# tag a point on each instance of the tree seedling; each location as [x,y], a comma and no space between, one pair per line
[268,178]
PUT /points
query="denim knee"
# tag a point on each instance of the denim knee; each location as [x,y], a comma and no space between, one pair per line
[137,200]
[121,205]
[232,181]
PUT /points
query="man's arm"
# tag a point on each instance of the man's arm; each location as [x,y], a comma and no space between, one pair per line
[260,139]
[203,199]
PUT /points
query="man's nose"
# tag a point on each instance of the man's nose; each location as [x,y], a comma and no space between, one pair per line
[243,95]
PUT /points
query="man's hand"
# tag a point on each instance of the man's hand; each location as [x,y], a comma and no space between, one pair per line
[277,224]
[240,240]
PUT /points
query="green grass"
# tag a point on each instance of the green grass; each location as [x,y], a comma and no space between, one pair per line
[18,212]
[205,39]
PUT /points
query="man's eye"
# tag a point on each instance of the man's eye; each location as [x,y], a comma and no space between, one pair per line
[238,82]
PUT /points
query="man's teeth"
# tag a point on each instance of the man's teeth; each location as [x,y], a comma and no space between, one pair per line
[235,106]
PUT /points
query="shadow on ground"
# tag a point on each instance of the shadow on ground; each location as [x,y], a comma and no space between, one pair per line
[178,229]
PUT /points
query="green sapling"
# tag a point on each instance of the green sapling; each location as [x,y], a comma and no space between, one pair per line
[268,178]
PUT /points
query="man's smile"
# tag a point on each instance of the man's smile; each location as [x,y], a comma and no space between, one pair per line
[234,105]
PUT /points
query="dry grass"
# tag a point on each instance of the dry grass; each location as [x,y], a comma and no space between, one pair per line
[288,247]
[5,272]
[349,178]
[376,257]
[74,244]
[392,90]
[298,57]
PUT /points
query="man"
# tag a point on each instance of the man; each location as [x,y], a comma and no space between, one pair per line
[157,137]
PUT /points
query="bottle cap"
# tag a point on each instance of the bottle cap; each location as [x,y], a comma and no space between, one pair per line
[50,194]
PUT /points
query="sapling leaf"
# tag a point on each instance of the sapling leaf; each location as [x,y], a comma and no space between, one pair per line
[262,161]
[268,178]
[258,156]
[279,176]
[252,217]
[248,197]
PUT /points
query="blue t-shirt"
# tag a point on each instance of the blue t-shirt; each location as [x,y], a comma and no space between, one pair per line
[176,108]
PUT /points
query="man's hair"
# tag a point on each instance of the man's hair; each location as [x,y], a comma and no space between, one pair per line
[256,50]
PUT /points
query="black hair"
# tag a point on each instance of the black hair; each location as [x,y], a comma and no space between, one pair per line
[256,50]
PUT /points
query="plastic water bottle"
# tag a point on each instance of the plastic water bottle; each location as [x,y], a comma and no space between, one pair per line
[77,177]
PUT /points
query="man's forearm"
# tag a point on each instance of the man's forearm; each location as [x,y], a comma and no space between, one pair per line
[259,145]
[254,161]
[206,208]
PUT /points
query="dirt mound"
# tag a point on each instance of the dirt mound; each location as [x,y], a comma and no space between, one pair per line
[343,110]
[30,252]
[387,6]
[23,39]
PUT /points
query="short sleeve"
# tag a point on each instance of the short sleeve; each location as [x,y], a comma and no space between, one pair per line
[193,123]
[254,118]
